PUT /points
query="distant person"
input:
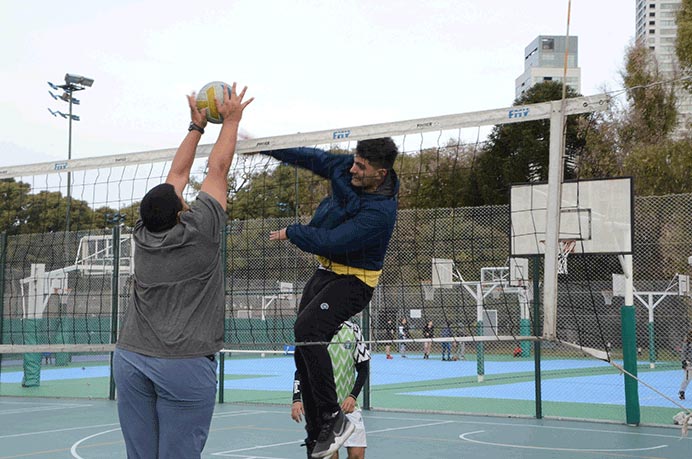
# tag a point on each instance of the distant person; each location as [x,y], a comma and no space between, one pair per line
[351,362]
[404,333]
[391,336]
[349,233]
[446,345]
[164,361]
[686,355]
[428,333]
[459,347]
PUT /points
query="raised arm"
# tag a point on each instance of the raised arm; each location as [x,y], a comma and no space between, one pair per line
[179,174]
[231,109]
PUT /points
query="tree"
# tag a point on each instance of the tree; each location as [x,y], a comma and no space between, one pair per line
[519,152]
[683,41]
[652,113]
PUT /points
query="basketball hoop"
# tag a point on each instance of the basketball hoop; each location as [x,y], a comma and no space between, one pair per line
[567,246]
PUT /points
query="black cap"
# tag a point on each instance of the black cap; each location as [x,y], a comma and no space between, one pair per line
[159,208]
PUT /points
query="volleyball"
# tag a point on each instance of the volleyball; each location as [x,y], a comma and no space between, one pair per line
[207,97]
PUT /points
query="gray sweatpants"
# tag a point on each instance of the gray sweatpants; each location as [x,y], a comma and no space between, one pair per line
[164,405]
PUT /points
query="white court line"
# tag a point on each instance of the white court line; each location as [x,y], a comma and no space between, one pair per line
[368,432]
[529,426]
[230,452]
[242,413]
[253,448]
[73,449]
[37,409]
[67,429]
[242,456]
[553,448]
[7,402]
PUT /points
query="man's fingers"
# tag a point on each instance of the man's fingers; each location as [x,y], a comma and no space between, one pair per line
[246,103]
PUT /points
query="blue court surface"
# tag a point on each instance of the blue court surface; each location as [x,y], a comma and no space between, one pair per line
[275,374]
[89,429]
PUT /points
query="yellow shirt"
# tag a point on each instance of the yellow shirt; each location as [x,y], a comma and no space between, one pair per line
[370,278]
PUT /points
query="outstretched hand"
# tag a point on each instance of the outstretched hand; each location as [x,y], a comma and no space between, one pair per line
[279,235]
[197,116]
[232,106]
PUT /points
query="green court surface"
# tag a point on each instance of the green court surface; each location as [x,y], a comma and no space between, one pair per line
[579,389]
[89,429]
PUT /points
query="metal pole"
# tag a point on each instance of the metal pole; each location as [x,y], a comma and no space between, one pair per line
[115,299]
[537,332]
[222,356]
[366,337]
[68,90]
[552,231]
[3,256]
[629,345]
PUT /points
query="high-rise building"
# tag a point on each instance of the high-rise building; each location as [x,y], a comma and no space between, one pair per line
[657,30]
[544,60]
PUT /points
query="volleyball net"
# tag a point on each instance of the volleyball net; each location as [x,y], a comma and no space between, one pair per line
[469,254]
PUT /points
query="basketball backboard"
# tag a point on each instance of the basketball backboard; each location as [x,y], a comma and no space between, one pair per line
[442,269]
[595,213]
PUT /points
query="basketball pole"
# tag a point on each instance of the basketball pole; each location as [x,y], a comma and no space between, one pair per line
[629,345]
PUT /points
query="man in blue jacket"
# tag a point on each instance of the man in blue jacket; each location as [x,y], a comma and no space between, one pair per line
[349,234]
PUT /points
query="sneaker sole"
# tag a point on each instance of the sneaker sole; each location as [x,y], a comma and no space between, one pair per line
[338,442]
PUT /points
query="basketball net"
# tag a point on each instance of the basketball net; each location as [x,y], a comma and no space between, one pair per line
[428,291]
[566,247]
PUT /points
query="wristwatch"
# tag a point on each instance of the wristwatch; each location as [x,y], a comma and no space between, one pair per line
[194,127]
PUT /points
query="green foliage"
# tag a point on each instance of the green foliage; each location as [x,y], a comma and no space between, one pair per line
[519,152]
[24,212]
[434,177]
[683,41]
[661,168]
[284,191]
[652,114]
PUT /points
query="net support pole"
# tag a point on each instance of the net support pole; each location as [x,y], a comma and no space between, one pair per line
[3,257]
[480,348]
[115,299]
[555,173]
[629,345]
[367,337]
[222,355]
[537,332]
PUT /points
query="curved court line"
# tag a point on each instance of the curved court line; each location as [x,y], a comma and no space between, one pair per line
[73,449]
[464,437]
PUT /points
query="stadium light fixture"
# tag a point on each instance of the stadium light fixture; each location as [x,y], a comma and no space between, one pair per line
[78,80]
[72,83]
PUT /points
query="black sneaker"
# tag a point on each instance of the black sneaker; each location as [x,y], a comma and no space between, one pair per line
[681,394]
[336,429]
[310,446]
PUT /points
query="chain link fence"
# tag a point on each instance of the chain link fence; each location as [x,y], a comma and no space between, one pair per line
[264,281]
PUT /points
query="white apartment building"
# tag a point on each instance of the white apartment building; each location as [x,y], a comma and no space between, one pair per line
[656,28]
[544,60]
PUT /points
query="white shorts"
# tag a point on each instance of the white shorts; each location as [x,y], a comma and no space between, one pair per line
[357,438]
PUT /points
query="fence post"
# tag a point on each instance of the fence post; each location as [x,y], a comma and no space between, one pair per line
[222,356]
[115,300]
[3,257]
[537,332]
[366,337]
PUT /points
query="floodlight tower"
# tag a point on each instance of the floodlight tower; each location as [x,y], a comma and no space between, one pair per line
[72,83]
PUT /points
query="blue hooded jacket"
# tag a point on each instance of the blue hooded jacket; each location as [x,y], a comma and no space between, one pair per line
[349,227]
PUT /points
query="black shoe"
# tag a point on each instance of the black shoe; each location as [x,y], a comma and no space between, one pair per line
[681,394]
[336,429]
[309,445]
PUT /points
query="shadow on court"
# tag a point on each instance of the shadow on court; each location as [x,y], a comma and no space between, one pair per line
[62,428]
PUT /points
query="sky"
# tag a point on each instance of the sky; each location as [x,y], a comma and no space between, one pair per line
[310,64]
